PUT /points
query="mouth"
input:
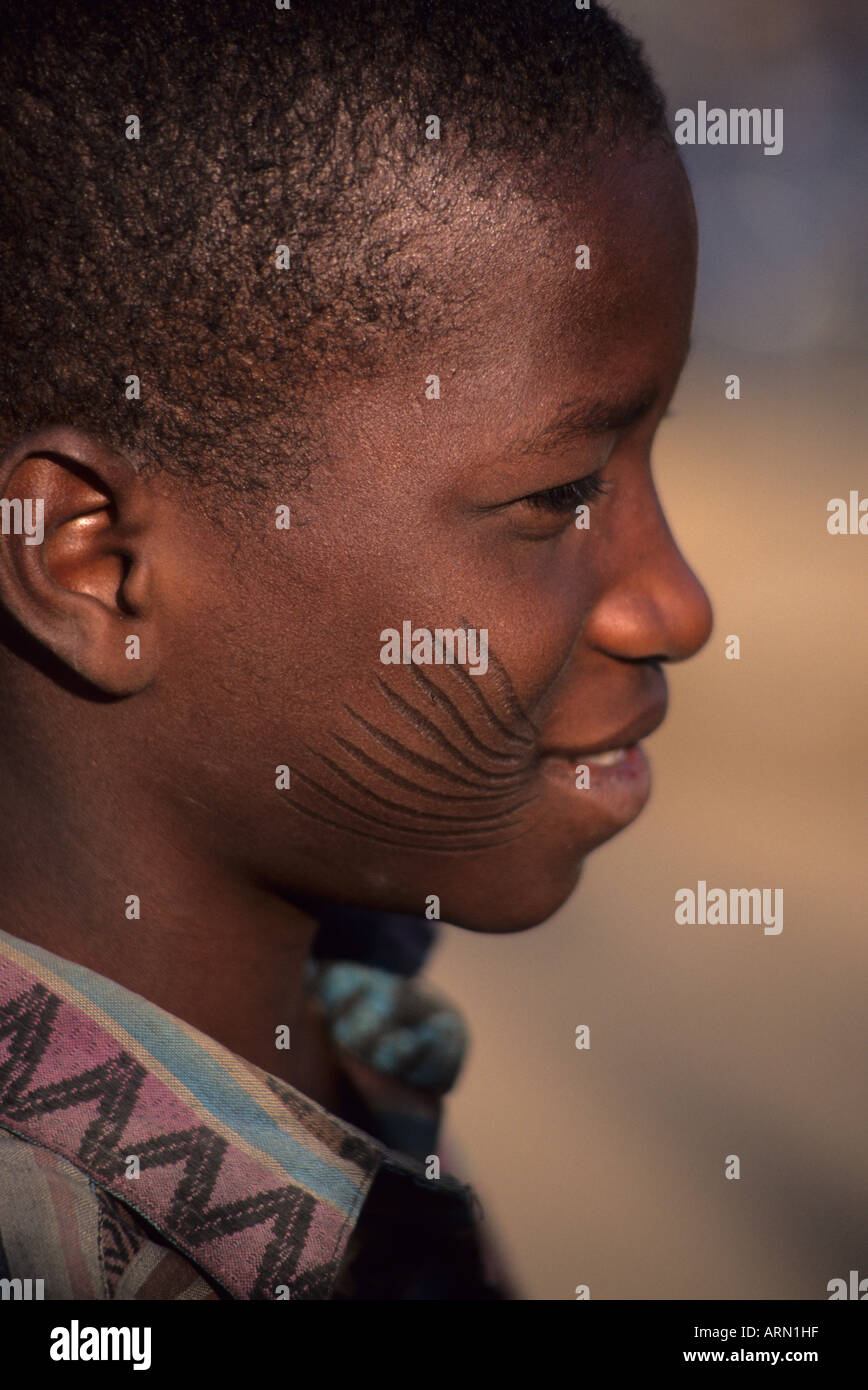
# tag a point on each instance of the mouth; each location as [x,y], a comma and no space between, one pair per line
[598,794]
[611,758]
[615,783]
[615,747]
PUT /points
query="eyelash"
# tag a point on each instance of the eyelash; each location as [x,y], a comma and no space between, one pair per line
[569,495]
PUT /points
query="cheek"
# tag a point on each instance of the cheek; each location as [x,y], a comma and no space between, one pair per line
[406,772]
[423,752]
[401,745]
[539,601]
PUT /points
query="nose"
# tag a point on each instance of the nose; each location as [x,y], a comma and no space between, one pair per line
[653,608]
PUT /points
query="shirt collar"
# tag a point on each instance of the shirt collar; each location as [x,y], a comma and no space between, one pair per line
[257,1184]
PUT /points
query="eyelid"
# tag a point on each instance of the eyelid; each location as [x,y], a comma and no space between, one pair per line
[563,499]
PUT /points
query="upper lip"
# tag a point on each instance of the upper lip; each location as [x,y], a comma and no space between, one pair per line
[639,727]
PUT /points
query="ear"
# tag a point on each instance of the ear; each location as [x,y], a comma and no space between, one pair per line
[76,547]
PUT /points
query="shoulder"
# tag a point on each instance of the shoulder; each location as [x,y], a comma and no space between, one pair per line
[72,1240]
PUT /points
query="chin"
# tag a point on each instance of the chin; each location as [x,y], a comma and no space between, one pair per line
[514,902]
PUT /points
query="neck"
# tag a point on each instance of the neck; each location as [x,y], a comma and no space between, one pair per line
[224,954]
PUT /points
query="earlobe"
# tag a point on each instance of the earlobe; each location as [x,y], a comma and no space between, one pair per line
[75,557]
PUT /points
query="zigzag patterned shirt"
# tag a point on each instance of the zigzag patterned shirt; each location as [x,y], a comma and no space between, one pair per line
[140,1159]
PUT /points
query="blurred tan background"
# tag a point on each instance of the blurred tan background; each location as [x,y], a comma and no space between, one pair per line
[606,1167]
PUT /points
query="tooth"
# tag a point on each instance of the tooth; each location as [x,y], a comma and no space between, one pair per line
[607,759]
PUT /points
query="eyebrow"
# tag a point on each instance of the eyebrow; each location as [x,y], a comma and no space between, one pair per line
[589,417]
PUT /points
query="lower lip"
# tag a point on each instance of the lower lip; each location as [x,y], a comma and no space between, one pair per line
[617,791]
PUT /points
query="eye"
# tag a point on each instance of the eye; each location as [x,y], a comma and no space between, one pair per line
[568,496]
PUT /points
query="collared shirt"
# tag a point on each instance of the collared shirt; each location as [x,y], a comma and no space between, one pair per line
[140,1159]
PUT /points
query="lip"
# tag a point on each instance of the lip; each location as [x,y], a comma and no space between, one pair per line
[640,726]
[616,792]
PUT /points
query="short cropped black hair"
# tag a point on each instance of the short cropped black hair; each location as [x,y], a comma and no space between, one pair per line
[261,127]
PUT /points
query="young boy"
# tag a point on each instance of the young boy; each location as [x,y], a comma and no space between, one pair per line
[333,584]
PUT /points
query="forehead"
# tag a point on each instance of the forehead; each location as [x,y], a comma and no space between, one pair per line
[538,333]
[603,286]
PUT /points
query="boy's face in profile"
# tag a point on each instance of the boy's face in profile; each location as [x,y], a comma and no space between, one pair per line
[414,779]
